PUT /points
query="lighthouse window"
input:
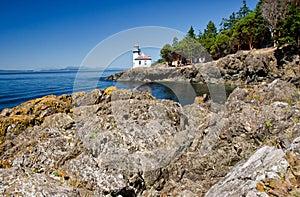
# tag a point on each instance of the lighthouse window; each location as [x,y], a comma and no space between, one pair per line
[145,63]
[140,62]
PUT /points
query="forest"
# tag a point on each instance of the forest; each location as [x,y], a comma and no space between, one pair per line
[272,23]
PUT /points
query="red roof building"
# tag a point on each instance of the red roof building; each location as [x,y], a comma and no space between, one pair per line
[140,60]
[143,57]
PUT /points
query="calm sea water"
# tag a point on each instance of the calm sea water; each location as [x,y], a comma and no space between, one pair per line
[20,86]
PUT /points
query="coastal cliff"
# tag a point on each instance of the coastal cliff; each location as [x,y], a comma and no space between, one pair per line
[244,67]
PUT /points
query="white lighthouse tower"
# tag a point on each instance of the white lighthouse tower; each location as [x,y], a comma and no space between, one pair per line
[135,53]
[138,59]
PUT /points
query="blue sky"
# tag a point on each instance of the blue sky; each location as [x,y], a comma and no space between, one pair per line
[37,34]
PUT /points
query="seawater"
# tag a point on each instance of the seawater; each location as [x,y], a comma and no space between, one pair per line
[20,86]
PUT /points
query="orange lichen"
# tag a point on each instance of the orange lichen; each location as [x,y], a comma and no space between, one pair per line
[32,113]
[260,186]
[15,124]
[109,90]
[5,164]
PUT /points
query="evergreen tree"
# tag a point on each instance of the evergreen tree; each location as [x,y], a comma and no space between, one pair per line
[244,10]
[288,30]
[241,31]
[227,23]
[200,35]
[250,31]
[209,36]
[211,29]
[259,5]
[191,33]
[175,41]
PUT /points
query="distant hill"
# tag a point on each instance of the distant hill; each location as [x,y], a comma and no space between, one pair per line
[70,68]
[12,71]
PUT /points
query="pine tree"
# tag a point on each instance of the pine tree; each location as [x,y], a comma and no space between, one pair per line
[200,35]
[208,38]
[244,10]
[227,23]
[191,33]
[175,41]
[251,31]
[211,29]
[288,30]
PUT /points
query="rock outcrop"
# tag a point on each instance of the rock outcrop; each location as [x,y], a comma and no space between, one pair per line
[228,138]
[123,143]
[13,121]
[109,143]
[244,67]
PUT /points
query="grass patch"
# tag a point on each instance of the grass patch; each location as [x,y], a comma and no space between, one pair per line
[268,124]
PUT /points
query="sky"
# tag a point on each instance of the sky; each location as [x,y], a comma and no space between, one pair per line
[49,34]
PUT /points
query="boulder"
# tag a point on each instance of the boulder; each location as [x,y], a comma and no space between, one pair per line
[15,120]
[243,180]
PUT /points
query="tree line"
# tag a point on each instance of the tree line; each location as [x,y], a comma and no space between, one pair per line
[271,23]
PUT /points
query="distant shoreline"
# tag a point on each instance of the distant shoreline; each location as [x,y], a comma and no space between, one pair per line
[61,69]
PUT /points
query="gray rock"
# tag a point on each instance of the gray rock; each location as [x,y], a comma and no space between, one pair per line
[125,143]
[244,67]
[242,180]
[295,147]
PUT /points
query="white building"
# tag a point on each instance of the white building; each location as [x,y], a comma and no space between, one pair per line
[140,60]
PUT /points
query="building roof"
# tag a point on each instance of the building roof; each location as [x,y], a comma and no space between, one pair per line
[143,57]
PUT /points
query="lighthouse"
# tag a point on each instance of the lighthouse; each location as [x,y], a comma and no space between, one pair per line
[135,52]
[138,59]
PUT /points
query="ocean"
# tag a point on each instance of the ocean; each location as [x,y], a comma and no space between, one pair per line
[20,86]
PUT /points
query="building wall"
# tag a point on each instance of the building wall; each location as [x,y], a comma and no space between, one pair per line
[135,55]
[141,63]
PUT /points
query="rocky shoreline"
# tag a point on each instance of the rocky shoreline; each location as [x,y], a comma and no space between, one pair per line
[242,68]
[127,143]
